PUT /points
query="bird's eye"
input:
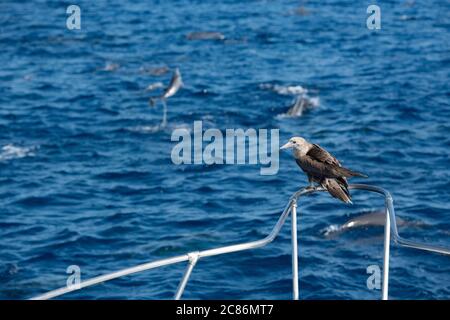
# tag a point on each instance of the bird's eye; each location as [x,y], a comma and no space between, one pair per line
[294,142]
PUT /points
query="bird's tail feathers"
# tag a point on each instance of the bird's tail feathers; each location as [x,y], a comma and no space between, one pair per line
[337,190]
[350,173]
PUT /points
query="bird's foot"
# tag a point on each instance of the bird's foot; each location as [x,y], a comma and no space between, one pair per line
[311,187]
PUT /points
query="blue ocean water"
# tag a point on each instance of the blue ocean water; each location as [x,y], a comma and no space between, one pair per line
[84,180]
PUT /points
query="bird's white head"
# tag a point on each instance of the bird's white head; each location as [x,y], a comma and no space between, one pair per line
[298,144]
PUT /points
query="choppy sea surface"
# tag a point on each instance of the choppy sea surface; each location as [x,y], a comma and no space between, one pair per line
[86,180]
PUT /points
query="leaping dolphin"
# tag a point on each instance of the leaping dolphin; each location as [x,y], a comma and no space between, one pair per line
[300,105]
[205,35]
[376,218]
[175,84]
[365,220]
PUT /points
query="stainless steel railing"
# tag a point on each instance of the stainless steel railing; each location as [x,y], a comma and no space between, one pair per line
[193,257]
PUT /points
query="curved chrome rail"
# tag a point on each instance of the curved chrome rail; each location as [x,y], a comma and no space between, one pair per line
[193,257]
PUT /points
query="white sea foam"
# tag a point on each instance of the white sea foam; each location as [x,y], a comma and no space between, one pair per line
[331,229]
[10,151]
[111,67]
[315,101]
[146,129]
[284,90]
[154,86]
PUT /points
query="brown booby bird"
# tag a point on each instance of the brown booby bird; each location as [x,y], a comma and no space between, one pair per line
[322,168]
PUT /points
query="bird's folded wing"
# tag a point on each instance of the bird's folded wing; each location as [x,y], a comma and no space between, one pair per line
[318,153]
[319,169]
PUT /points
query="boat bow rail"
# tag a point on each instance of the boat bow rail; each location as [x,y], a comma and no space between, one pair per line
[192,258]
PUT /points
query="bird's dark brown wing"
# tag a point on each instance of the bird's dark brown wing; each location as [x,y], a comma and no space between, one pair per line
[318,169]
[322,155]
[320,162]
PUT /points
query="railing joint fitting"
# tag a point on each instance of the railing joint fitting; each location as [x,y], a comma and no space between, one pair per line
[193,257]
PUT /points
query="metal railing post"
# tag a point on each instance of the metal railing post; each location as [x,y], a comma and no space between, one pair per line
[193,258]
[294,240]
[387,243]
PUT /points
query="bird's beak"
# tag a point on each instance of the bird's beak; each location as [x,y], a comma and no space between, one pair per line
[287,145]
